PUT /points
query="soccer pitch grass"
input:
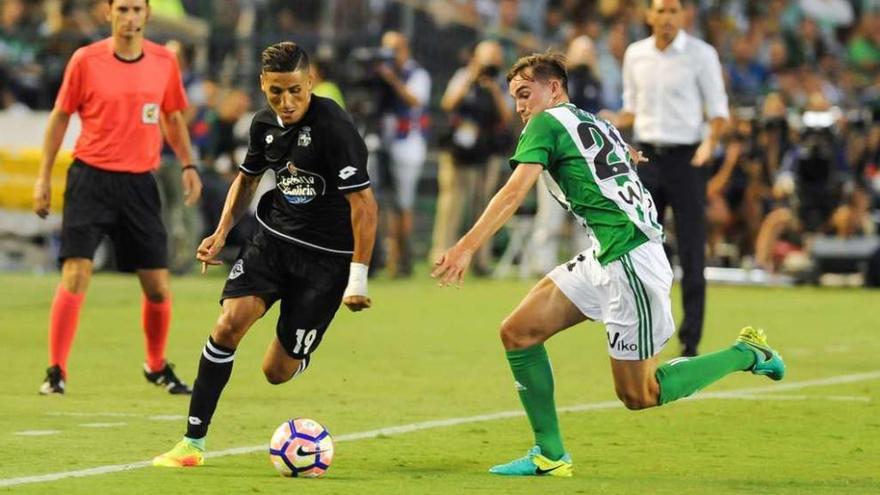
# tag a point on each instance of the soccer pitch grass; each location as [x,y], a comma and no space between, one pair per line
[428,361]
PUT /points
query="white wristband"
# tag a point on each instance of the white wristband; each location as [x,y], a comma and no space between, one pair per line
[357,280]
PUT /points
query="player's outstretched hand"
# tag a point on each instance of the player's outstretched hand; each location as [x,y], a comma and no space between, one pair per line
[357,303]
[42,198]
[209,248]
[451,266]
[192,186]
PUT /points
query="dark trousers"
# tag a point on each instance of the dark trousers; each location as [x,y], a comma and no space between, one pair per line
[673,181]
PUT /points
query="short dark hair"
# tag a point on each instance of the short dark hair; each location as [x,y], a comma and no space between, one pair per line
[286,56]
[110,2]
[544,66]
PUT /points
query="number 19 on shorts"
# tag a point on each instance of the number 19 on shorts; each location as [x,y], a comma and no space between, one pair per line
[304,340]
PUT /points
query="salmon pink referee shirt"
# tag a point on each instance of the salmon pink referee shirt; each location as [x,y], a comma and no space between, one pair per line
[119,103]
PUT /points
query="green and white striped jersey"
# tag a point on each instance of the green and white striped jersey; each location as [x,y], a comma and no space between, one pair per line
[587,169]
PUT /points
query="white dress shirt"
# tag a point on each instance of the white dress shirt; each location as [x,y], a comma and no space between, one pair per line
[670,91]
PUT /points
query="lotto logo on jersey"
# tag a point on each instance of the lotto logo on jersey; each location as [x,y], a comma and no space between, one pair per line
[150,113]
[347,172]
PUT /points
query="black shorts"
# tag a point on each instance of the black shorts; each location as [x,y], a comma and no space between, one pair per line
[309,284]
[124,206]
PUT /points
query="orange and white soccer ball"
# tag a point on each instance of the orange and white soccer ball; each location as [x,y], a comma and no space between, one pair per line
[301,447]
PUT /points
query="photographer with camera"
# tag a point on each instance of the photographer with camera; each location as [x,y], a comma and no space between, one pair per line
[468,166]
[806,190]
[403,121]
[817,165]
[739,188]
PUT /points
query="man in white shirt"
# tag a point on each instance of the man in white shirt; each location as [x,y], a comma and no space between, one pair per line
[670,81]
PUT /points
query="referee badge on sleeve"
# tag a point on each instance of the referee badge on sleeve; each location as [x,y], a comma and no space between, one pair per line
[150,113]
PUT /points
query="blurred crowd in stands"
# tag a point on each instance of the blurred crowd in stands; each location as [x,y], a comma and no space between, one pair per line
[803,77]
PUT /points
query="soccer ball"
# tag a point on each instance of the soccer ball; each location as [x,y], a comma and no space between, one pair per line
[301,447]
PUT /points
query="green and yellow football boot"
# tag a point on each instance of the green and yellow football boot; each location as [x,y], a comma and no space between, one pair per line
[768,362]
[535,464]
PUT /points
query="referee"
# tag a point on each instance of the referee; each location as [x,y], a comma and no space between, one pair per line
[671,80]
[122,87]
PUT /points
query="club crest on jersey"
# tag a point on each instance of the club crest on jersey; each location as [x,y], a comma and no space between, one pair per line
[237,271]
[150,113]
[269,138]
[305,137]
[299,186]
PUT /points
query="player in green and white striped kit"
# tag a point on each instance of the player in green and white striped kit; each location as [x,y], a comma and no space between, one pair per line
[622,280]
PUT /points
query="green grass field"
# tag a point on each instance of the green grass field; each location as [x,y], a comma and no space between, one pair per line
[423,354]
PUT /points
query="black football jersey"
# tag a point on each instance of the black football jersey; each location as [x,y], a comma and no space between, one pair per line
[317,161]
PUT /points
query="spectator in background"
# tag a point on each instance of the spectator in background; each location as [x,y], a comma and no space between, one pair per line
[9,104]
[221,161]
[831,14]
[777,57]
[403,116]
[70,28]
[853,217]
[511,33]
[181,223]
[170,9]
[817,165]
[747,78]
[557,28]
[806,191]
[806,45]
[610,65]
[773,139]
[324,85]
[479,116]
[584,86]
[863,49]
[736,191]
[19,46]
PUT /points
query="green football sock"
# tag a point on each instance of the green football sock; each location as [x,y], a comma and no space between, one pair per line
[683,376]
[534,382]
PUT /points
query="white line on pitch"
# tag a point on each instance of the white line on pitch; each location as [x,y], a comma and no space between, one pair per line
[36,433]
[439,423]
[769,397]
[154,417]
[93,414]
[102,425]
[167,417]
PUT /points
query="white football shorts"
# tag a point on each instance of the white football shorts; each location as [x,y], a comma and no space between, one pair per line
[630,296]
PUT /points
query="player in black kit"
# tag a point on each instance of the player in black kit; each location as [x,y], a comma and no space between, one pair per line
[316,235]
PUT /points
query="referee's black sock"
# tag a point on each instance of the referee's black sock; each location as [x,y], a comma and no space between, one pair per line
[215,367]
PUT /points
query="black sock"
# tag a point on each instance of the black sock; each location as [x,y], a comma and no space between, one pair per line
[215,367]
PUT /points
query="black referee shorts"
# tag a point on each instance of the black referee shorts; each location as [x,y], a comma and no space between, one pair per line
[124,206]
[309,284]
